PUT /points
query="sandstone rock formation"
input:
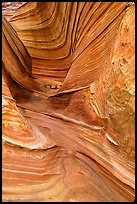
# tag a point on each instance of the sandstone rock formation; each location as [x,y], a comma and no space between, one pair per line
[68,101]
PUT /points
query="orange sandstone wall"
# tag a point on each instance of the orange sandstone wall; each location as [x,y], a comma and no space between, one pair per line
[68,101]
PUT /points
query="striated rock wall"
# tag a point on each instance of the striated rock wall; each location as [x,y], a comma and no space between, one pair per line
[68,101]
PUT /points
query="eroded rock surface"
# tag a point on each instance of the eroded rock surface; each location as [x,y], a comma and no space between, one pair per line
[68,101]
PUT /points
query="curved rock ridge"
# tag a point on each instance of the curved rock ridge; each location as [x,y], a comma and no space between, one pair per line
[57,52]
[21,133]
[68,101]
[9,8]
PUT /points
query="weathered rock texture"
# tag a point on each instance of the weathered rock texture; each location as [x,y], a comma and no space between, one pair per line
[68,101]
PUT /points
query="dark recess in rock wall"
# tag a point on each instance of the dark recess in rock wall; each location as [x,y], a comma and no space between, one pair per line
[68,101]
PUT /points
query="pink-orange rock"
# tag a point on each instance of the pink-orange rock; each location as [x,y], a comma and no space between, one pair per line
[68,101]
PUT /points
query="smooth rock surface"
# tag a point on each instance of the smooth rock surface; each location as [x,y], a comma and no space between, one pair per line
[68,101]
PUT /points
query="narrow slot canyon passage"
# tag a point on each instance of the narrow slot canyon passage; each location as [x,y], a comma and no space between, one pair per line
[68,101]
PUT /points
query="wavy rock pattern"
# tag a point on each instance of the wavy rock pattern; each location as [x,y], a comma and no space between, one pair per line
[68,101]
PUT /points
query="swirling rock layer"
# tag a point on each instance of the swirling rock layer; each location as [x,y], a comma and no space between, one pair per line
[68,101]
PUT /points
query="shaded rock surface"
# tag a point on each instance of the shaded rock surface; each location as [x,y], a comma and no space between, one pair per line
[68,101]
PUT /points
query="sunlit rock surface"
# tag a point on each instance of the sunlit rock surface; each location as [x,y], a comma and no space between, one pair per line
[68,106]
